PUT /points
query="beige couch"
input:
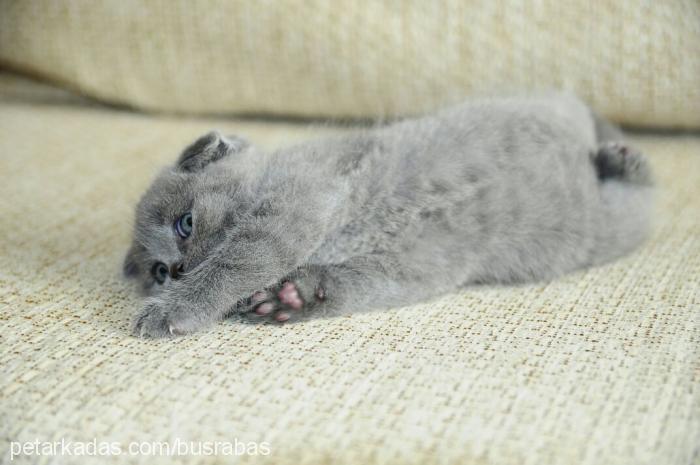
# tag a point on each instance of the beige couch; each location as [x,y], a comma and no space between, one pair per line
[599,367]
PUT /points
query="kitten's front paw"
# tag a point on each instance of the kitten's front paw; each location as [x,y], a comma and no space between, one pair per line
[158,318]
[291,300]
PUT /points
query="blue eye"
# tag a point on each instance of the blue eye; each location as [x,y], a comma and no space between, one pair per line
[159,272]
[183,226]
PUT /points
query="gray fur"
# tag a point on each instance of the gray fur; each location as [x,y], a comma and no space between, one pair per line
[493,191]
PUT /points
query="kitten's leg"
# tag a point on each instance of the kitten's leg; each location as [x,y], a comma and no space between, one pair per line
[203,295]
[199,298]
[329,290]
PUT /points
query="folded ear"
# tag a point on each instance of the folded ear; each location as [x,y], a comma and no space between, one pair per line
[207,149]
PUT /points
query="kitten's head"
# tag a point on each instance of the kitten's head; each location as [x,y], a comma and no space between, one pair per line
[183,214]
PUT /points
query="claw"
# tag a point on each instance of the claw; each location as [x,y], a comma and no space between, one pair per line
[175,332]
[320,293]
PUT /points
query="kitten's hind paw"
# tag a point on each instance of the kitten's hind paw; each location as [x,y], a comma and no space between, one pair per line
[615,160]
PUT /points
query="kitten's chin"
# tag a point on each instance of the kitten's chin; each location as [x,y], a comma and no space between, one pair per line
[151,290]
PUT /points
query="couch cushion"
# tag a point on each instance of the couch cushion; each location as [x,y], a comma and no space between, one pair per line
[598,367]
[636,62]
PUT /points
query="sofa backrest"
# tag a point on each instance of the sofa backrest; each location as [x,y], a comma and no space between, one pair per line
[635,61]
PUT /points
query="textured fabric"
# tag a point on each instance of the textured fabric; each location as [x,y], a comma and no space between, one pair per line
[637,62]
[599,367]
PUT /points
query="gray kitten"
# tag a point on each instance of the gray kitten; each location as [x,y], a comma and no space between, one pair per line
[493,191]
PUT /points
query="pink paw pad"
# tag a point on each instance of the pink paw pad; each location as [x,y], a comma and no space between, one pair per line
[265,308]
[289,295]
[282,316]
[258,297]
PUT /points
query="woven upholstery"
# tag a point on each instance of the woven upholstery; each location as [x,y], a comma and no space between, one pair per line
[637,62]
[599,367]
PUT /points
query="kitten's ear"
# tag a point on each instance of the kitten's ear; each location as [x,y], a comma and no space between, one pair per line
[208,149]
[131,264]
